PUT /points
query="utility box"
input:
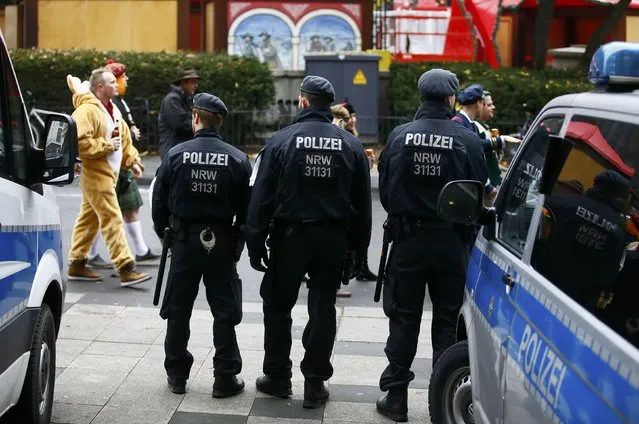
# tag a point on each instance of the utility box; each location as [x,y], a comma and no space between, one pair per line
[356,77]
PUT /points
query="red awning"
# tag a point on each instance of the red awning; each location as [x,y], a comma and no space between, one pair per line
[590,134]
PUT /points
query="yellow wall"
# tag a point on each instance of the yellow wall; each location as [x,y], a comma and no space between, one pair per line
[140,25]
[632,28]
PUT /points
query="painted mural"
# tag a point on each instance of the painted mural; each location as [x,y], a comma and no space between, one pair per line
[266,37]
[325,33]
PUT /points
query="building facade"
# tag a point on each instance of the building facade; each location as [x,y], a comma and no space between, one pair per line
[281,33]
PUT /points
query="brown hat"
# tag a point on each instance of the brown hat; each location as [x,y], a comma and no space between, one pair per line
[187,73]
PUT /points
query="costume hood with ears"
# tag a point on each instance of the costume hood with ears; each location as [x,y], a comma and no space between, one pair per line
[81,91]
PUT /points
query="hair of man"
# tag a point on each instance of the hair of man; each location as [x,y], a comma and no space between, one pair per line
[97,77]
[315,100]
[208,119]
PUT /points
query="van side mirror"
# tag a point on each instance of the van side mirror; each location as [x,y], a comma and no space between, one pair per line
[558,150]
[60,149]
[461,201]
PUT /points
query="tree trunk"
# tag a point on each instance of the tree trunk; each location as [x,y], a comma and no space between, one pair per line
[541,31]
[598,37]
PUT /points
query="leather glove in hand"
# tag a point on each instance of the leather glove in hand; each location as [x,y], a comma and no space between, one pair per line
[259,262]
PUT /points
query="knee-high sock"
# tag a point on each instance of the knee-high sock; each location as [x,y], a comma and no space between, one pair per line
[94,248]
[134,229]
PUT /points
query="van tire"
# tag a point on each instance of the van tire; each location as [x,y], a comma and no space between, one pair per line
[34,406]
[451,377]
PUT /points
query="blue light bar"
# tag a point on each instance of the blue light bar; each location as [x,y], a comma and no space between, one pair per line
[615,63]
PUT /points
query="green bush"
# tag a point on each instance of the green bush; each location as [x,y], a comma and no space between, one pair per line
[242,83]
[510,88]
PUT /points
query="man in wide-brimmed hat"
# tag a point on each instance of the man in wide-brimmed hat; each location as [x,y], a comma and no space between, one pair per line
[174,119]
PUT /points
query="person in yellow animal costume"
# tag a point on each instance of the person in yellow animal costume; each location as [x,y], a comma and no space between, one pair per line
[104,146]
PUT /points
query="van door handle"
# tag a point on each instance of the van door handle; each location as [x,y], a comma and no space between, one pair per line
[508,280]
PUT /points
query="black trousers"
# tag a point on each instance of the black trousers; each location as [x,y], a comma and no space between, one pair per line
[433,257]
[189,263]
[320,251]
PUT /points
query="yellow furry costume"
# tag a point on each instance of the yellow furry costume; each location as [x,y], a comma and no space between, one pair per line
[100,168]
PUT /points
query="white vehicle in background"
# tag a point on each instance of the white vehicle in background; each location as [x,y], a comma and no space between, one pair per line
[32,290]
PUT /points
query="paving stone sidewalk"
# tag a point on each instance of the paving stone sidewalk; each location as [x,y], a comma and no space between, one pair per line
[110,370]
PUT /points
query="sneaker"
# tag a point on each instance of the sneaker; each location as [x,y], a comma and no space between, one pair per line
[129,276]
[79,272]
[147,257]
[98,263]
[343,293]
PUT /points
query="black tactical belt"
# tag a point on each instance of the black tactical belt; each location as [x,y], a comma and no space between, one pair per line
[309,223]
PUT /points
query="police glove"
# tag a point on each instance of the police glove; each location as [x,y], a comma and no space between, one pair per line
[352,264]
[259,262]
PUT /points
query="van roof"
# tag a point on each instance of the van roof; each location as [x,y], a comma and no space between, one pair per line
[614,102]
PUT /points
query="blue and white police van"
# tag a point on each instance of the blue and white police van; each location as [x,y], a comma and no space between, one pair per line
[526,351]
[32,290]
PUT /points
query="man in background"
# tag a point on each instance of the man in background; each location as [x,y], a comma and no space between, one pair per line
[174,118]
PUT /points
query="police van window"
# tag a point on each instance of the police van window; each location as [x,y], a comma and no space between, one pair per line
[522,191]
[20,133]
[588,230]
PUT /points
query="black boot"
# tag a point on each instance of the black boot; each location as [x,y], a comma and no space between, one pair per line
[365,274]
[177,385]
[271,386]
[227,385]
[394,405]
[315,394]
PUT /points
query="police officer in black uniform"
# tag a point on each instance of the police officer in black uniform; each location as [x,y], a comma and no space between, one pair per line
[418,160]
[200,187]
[312,198]
[583,242]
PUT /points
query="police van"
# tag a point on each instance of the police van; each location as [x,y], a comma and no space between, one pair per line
[32,290]
[531,346]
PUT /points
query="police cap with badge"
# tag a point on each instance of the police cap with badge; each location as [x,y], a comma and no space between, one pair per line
[437,84]
[471,94]
[318,86]
[209,103]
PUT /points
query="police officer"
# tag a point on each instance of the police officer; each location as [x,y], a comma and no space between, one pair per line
[312,198]
[200,187]
[583,243]
[418,160]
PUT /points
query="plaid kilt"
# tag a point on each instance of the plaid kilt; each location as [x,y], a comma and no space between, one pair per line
[129,199]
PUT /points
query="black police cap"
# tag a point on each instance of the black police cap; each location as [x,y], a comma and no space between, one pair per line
[318,86]
[612,182]
[437,83]
[471,94]
[209,102]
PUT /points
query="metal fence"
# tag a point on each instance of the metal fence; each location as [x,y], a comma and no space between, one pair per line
[251,129]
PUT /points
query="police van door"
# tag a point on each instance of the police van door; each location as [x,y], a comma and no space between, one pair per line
[500,250]
[564,364]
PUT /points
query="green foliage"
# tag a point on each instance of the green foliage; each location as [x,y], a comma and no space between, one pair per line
[242,83]
[510,87]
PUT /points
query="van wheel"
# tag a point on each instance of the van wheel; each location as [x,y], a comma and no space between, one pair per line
[450,399]
[36,400]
